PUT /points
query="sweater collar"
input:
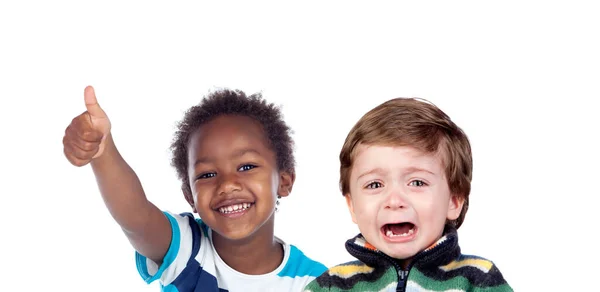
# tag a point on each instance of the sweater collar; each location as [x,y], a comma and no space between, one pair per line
[443,251]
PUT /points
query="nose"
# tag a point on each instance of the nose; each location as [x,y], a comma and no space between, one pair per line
[395,199]
[228,183]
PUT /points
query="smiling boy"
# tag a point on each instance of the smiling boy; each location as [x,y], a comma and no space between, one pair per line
[233,155]
[406,173]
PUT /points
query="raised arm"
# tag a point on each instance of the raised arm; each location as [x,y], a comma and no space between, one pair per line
[88,139]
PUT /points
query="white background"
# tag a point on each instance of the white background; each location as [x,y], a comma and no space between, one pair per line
[519,77]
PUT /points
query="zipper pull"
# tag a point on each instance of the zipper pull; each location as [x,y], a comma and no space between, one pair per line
[402,274]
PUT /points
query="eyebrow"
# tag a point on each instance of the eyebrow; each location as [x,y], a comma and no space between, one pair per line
[377,170]
[417,169]
[380,171]
[236,154]
[245,151]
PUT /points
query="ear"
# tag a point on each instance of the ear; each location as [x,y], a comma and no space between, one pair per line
[286,182]
[455,205]
[350,207]
[187,193]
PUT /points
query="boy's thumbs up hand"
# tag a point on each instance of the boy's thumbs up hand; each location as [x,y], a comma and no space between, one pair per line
[85,137]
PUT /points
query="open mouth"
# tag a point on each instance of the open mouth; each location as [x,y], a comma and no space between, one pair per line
[235,208]
[399,230]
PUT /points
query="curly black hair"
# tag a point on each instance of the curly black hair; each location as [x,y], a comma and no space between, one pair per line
[233,102]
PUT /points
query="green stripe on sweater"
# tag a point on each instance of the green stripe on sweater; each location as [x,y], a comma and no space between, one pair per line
[388,279]
[459,283]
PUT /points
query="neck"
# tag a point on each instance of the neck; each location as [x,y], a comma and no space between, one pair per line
[404,263]
[256,254]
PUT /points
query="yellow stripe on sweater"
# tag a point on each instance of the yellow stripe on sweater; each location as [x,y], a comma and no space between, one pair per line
[349,270]
[483,265]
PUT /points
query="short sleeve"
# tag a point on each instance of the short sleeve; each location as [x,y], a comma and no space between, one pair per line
[177,257]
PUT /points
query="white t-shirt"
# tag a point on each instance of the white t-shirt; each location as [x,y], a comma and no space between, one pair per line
[192,264]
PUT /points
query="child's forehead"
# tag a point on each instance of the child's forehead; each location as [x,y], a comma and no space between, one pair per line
[228,130]
[224,125]
[371,156]
[404,150]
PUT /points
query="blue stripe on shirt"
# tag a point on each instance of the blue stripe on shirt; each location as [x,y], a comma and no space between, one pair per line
[167,260]
[299,265]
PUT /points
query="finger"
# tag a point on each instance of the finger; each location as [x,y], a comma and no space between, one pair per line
[74,160]
[80,143]
[81,127]
[78,153]
[91,103]
[86,146]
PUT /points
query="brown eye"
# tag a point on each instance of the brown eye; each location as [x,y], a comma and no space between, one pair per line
[246,167]
[206,175]
[417,183]
[374,185]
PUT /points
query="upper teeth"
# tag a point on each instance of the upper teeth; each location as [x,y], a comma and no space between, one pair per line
[234,208]
[389,233]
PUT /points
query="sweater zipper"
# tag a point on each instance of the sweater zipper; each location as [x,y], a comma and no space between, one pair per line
[402,279]
[402,274]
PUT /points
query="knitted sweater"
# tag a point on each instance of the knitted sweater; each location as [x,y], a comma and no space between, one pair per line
[441,267]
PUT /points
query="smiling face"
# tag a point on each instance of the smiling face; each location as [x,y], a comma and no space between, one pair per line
[400,199]
[234,177]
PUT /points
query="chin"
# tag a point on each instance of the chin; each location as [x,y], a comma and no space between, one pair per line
[399,255]
[238,233]
[400,251]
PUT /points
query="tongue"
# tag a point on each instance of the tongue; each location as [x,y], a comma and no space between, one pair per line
[400,228]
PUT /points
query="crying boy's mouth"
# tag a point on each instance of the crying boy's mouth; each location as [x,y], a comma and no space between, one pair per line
[398,230]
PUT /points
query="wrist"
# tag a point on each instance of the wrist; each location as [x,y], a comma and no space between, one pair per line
[108,152]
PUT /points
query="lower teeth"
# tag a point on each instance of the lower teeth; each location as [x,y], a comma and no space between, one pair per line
[389,233]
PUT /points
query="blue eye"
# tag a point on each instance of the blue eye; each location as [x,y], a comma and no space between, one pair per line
[206,175]
[246,167]
[417,183]
[374,185]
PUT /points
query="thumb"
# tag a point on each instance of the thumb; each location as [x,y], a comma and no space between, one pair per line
[91,103]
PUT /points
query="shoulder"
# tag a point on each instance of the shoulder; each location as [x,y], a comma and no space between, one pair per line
[479,271]
[300,265]
[347,276]
[189,234]
[471,265]
[349,269]
[186,242]
[185,220]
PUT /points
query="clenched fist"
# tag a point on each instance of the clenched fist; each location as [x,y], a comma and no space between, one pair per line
[85,137]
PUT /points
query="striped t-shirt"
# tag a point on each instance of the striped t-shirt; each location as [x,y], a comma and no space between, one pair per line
[192,264]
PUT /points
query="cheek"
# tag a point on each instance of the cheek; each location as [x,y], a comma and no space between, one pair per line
[433,210]
[254,185]
[202,192]
[262,185]
[366,214]
[365,210]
